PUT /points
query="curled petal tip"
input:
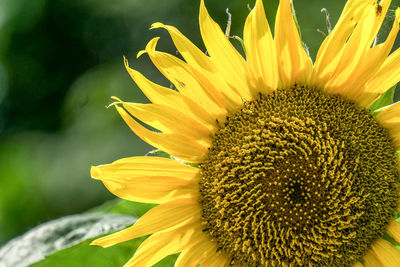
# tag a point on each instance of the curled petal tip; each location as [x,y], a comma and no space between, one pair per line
[156,25]
[95,173]
[93,243]
[112,104]
[97,242]
[141,52]
[151,46]
[116,98]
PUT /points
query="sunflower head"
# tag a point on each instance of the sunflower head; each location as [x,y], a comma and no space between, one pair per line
[286,174]
[276,160]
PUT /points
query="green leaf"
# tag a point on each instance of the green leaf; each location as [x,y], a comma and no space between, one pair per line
[85,255]
[385,100]
[59,234]
[65,241]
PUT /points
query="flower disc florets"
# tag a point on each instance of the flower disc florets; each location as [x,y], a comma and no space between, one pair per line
[299,177]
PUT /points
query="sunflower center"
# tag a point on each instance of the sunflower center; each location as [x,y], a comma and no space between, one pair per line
[297,178]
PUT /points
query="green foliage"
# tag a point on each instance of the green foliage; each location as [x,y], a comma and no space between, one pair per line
[72,230]
[116,255]
[385,99]
[85,255]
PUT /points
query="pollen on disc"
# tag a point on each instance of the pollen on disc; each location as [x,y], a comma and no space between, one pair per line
[298,177]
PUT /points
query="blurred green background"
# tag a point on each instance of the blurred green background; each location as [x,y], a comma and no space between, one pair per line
[60,61]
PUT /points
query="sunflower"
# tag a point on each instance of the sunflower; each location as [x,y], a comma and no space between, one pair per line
[275,160]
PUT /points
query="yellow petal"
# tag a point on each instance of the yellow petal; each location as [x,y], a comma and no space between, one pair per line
[168,120]
[138,192]
[221,93]
[202,64]
[368,89]
[177,145]
[384,253]
[226,58]
[135,167]
[191,53]
[166,96]
[390,119]
[357,264]
[393,230]
[388,74]
[181,256]
[293,61]
[197,253]
[162,244]
[260,49]
[182,76]
[346,79]
[216,260]
[167,215]
[148,179]
[185,258]
[370,260]
[329,54]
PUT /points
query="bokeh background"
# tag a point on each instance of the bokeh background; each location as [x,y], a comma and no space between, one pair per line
[60,61]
